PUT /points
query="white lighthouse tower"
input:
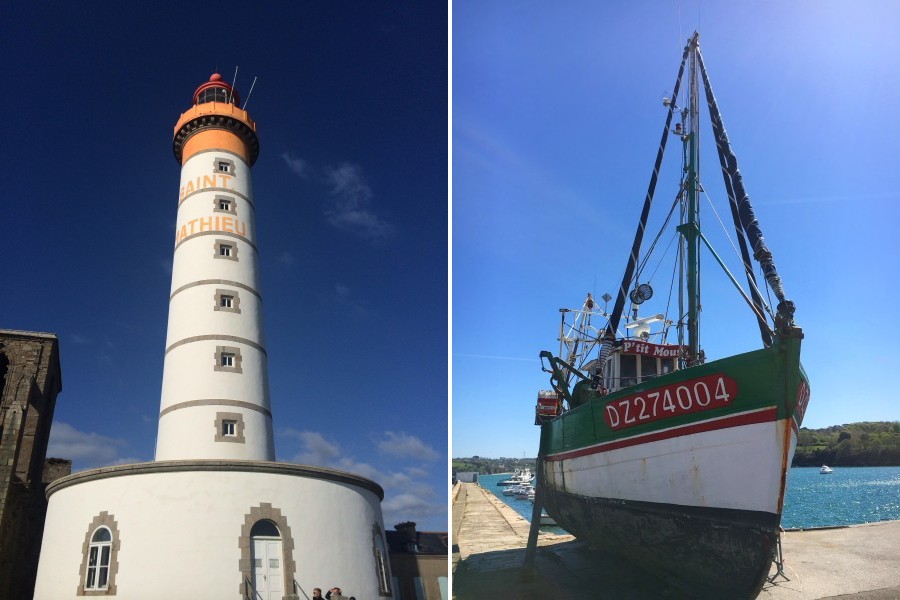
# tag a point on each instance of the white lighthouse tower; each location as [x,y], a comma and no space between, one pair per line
[214,517]
[215,392]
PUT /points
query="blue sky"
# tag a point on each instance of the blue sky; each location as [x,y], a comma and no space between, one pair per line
[556,119]
[351,195]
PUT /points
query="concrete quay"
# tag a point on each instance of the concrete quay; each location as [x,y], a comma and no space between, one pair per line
[860,562]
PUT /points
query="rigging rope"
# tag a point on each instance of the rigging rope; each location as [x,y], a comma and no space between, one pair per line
[758,307]
[744,211]
[616,316]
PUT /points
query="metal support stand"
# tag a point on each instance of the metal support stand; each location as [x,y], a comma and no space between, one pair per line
[778,560]
[531,547]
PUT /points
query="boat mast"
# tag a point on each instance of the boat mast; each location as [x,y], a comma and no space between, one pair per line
[690,230]
[627,279]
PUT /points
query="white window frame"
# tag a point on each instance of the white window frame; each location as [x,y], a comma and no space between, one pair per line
[225,204]
[228,359]
[382,566]
[223,166]
[107,522]
[227,300]
[229,428]
[95,564]
[225,249]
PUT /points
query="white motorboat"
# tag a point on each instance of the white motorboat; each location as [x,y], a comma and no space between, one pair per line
[826,470]
[518,478]
[524,492]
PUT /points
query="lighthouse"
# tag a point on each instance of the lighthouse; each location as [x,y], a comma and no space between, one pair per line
[215,391]
[214,515]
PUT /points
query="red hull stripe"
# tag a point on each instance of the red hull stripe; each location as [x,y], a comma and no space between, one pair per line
[762,415]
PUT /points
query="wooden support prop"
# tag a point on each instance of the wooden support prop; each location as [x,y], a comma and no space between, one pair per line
[531,548]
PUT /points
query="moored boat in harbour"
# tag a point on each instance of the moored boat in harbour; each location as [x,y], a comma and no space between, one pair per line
[648,449]
[519,477]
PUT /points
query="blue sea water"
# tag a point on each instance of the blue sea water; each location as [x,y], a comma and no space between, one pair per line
[523,507]
[849,496]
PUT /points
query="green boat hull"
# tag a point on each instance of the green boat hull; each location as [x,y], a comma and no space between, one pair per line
[694,494]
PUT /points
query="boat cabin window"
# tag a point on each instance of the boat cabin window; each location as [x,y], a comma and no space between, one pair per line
[627,370]
[624,370]
[648,368]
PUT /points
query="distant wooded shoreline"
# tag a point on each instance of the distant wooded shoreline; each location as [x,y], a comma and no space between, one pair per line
[865,444]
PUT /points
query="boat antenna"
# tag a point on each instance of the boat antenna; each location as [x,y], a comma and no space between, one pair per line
[233,82]
[247,99]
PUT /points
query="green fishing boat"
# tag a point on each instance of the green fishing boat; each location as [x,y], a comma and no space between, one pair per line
[650,449]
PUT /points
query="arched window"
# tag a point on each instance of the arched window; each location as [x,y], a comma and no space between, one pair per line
[265,528]
[99,562]
[382,569]
[97,576]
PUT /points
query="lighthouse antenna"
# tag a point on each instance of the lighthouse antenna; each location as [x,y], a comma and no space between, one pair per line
[244,107]
[233,82]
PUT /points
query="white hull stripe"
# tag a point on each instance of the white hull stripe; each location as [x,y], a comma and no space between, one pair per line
[759,415]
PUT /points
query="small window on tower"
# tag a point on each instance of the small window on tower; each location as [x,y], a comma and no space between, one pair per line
[225,249]
[224,204]
[229,427]
[228,359]
[223,166]
[228,301]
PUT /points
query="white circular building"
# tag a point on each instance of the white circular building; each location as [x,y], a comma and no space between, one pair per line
[213,517]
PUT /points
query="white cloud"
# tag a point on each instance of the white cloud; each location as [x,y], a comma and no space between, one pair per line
[85,450]
[408,504]
[80,339]
[286,258]
[407,495]
[403,445]
[417,472]
[349,209]
[343,296]
[297,165]
[316,449]
[349,206]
